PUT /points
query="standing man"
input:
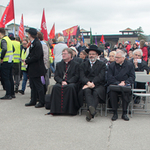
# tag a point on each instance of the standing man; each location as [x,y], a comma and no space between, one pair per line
[81,47]
[92,76]
[58,50]
[36,69]
[16,61]
[6,56]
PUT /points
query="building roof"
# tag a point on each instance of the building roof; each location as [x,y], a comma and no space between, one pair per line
[83,30]
[128,30]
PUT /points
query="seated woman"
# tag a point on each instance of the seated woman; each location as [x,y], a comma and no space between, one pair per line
[83,55]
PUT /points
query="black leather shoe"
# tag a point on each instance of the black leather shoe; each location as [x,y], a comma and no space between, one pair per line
[20,91]
[88,116]
[16,90]
[39,105]
[92,110]
[114,117]
[7,97]
[13,96]
[125,117]
[29,104]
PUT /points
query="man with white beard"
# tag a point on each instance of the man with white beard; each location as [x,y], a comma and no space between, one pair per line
[92,76]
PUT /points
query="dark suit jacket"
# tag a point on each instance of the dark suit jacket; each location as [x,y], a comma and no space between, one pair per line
[141,66]
[36,67]
[118,73]
[72,72]
[96,74]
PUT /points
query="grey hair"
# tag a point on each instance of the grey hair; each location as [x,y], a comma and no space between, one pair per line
[123,54]
[69,51]
[138,50]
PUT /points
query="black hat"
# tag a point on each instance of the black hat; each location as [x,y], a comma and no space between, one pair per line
[32,31]
[93,48]
[107,44]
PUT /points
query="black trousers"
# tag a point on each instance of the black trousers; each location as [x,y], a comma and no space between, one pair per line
[91,97]
[37,87]
[6,74]
[114,100]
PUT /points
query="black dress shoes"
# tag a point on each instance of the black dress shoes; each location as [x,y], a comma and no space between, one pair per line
[114,117]
[6,97]
[30,104]
[88,116]
[39,105]
[13,96]
[92,110]
[21,91]
[125,117]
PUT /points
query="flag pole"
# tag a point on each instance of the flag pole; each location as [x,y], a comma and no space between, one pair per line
[14,28]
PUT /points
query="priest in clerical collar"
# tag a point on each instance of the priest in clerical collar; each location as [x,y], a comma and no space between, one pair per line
[121,73]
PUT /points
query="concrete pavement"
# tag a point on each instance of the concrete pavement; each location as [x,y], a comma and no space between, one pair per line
[28,128]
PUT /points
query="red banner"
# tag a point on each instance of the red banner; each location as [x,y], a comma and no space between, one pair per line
[52,32]
[102,39]
[71,31]
[21,29]
[8,14]
[43,27]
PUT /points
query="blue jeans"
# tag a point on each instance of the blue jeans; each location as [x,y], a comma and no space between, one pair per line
[25,78]
[52,67]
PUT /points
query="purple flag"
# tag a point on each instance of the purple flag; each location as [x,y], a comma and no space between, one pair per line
[95,40]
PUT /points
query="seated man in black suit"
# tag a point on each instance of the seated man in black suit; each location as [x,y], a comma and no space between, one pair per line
[64,94]
[92,77]
[121,72]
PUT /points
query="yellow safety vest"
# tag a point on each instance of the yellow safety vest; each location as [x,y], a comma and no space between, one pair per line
[16,55]
[9,54]
[23,57]
[50,56]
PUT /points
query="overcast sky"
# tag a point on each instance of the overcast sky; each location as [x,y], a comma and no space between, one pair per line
[104,17]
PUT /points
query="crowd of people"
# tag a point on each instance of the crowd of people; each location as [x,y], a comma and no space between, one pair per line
[83,72]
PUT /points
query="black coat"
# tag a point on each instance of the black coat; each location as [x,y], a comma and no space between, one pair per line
[36,67]
[141,66]
[72,72]
[118,73]
[78,60]
[96,74]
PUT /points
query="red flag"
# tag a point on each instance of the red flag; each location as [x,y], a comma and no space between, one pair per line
[8,14]
[71,31]
[43,27]
[68,40]
[21,29]
[52,32]
[102,39]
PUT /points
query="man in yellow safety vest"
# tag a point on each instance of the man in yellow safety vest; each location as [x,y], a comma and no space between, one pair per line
[6,56]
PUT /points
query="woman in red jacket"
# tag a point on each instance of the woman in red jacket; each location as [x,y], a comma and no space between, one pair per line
[143,47]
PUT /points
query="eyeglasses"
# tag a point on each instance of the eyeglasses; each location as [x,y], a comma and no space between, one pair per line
[64,53]
[24,43]
[137,55]
[118,57]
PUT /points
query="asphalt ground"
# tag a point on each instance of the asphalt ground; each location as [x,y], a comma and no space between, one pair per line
[28,128]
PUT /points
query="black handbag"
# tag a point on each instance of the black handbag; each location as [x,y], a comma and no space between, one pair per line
[119,88]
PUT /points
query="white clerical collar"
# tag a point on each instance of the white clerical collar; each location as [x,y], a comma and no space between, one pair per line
[92,62]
